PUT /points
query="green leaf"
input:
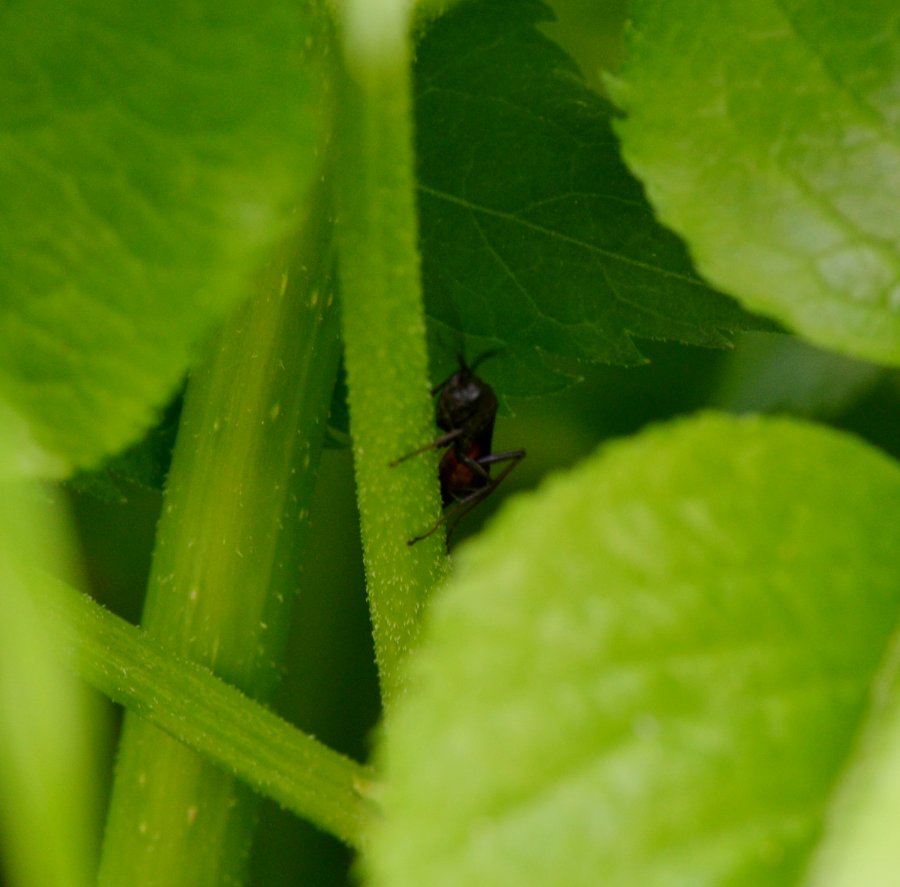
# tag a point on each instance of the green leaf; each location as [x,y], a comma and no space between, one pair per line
[152,157]
[775,373]
[651,671]
[860,845]
[535,237]
[767,136]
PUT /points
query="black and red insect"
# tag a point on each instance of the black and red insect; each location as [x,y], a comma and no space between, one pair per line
[465,411]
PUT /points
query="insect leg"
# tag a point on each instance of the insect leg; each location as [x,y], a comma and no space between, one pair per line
[436,444]
[461,507]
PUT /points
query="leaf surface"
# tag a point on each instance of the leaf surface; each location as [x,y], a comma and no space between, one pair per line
[768,136]
[860,845]
[652,671]
[536,240]
[152,156]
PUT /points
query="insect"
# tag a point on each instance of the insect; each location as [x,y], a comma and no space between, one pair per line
[465,411]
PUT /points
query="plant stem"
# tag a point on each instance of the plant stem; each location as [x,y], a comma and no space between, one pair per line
[226,561]
[191,704]
[48,770]
[384,331]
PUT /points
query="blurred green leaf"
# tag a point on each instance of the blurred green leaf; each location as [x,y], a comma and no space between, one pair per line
[776,373]
[767,136]
[860,846]
[653,670]
[152,157]
[535,237]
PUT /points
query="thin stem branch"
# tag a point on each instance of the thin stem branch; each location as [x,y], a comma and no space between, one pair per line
[195,707]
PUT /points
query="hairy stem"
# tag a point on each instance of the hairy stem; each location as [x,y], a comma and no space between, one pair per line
[384,331]
[226,561]
[195,707]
